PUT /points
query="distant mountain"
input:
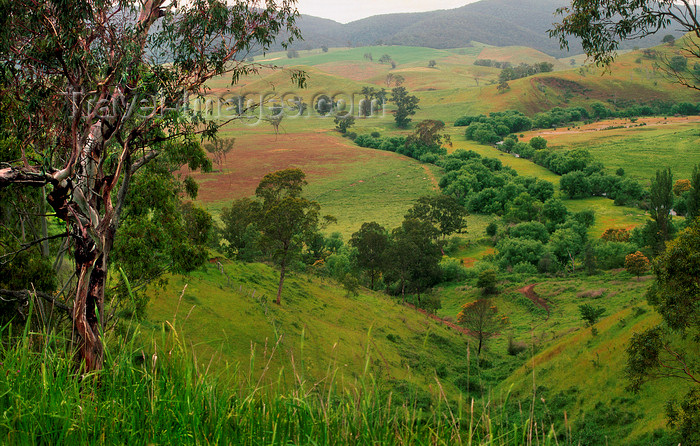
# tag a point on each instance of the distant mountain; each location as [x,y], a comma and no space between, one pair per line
[494,22]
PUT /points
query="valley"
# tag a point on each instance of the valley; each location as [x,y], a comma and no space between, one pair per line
[250,226]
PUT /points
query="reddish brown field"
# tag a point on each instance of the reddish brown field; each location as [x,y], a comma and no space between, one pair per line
[653,121]
[319,155]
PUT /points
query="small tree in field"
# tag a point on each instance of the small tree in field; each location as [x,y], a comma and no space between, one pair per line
[343,121]
[406,105]
[482,319]
[371,241]
[487,281]
[219,148]
[637,264]
[590,314]
[286,220]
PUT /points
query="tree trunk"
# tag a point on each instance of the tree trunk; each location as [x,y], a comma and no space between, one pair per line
[481,337]
[44,226]
[90,274]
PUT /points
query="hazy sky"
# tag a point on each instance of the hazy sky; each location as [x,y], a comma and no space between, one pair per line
[348,10]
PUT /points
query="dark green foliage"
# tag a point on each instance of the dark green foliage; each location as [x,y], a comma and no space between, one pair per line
[575,185]
[521,70]
[567,242]
[585,218]
[538,143]
[491,129]
[442,211]
[661,204]
[487,281]
[554,211]
[412,259]
[676,292]
[522,208]
[589,259]
[611,255]
[678,64]
[343,121]
[239,228]
[590,314]
[693,200]
[515,348]
[371,241]
[160,232]
[684,416]
[491,229]
[512,251]
[406,105]
[530,230]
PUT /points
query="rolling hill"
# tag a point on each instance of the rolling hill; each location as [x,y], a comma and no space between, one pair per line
[494,22]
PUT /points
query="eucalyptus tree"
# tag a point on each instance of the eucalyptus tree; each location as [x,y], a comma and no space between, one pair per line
[101,88]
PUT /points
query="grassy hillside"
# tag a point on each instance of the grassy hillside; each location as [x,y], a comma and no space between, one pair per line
[230,318]
[573,370]
[662,142]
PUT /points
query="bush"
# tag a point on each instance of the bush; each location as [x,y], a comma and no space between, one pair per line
[487,281]
[525,268]
[452,270]
[611,255]
[515,348]
[491,229]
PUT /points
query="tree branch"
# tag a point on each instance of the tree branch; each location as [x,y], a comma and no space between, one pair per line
[26,246]
[23,296]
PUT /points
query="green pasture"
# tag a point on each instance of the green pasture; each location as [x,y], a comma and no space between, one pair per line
[573,370]
[640,151]
[230,317]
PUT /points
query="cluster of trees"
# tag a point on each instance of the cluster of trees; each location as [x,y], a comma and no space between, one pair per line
[654,108]
[491,129]
[550,241]
[280,226]
[524,70]
[485,186]
[492,63]
[582,176]
[557,117]
[425,144]
[386,59]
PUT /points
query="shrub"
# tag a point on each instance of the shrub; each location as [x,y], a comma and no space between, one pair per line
[590,314]
[525,268]
[515,348]
[637,263]
[487,281]
[452,270]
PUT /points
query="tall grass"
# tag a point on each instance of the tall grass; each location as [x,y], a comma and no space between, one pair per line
[165,397]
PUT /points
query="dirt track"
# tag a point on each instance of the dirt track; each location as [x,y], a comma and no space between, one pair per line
[529,292]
